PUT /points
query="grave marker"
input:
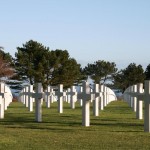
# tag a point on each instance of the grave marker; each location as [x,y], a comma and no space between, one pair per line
[73,96]
[96,101]
[86,96]
[38,95]
[139,111]
[60,95]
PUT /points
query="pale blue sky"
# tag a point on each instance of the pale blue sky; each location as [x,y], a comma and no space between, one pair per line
[112,30]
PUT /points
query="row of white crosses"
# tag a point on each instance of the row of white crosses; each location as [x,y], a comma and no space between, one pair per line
[28,96]
[5,98]
[132,96]
[99,94]
[49,96]
[25,96]
[135,95]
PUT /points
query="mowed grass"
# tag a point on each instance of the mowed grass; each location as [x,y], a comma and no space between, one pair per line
[116,128]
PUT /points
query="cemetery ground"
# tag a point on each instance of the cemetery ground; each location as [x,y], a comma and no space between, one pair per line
[115,128]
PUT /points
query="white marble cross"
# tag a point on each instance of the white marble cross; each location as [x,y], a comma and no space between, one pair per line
[6,94]
[145,96]
[1,107]
[86,96]
[139,104]
[96,101]
[2,100]
[102,98]
[30,99]
[5,98]
[60,95]
[134,96]
[68,99]
[47,96]
[38,95]
[80,100]
[73,94]
[25,96]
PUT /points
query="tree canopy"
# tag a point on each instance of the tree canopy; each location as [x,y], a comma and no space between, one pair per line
[38,64]
[131,75]
[147,72]
[100,71]
[6,64]
[6,56]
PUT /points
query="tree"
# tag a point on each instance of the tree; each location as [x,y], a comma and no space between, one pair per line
[6,56]
[5,68]
[100,71]
[30,61]
[37,63]
[6,64]
[147,72]
[131,75]
[61,69]
[67,73]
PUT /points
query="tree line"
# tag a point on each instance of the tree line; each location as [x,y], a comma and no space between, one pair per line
[34,62]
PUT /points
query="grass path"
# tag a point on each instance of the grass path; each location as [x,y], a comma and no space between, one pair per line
[116,128]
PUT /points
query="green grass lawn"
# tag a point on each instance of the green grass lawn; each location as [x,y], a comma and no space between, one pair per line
[116,128]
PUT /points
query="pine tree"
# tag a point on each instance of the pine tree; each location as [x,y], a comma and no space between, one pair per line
[147,72]
[100,71]
[36,63]
[131,75]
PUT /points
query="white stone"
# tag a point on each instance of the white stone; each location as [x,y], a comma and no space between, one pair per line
[5,98]
[30,99]
[139,112]
[134,98]
[142,95]
[96,101]
[6,94]
[38,95]
[47,95]
[86,96]
[73,96]
[1,107]
[60,95]
[25,96]
[102,97]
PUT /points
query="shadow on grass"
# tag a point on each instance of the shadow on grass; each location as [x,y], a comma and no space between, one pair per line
[117,124]
[120,126]
[28,122]
[63,122]
[134,131]
[51,125]
[52,129]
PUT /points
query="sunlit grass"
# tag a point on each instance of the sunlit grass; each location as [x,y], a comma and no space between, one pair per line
[115,128]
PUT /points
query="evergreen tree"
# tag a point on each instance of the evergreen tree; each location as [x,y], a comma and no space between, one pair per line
[6,64]
[6,56]
[100,71]
[147,72]
[37,63]
[131,75]
[30,61]
[67,73]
